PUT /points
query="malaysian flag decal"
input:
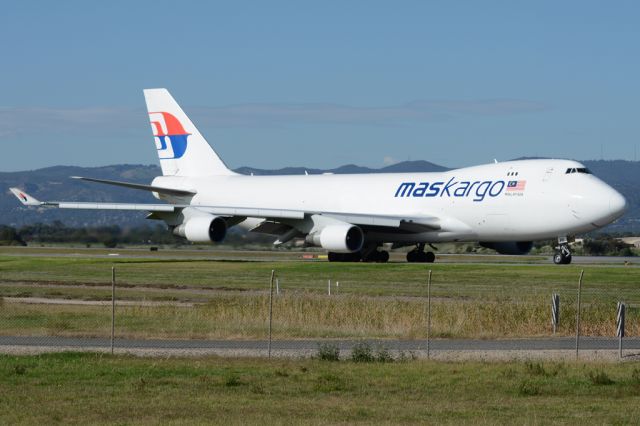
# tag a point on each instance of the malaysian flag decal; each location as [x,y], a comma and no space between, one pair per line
[516,185]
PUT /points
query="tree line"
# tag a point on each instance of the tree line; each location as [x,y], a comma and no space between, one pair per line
[113,235]
[109,236]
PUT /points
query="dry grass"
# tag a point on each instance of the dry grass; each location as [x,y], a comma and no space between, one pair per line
[309,315]
[375,301]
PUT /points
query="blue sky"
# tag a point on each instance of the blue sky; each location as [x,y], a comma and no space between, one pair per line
[321,84]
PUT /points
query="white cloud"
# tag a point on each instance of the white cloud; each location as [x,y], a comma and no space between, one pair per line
[416,111]
[16,121]
[387,160]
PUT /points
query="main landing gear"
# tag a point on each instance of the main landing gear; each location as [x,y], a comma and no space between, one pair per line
[563,253]
[418,255]
[371,254]
[379,256]
[344,257]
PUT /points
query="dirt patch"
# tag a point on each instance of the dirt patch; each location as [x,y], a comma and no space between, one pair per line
[48,301]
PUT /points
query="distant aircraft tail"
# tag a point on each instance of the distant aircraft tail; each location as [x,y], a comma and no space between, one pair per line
[24,198]
[182,150]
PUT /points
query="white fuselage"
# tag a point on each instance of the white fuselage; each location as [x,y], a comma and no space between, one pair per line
[504,206]
[523,200]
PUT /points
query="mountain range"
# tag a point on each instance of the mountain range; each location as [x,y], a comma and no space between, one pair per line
[53,183]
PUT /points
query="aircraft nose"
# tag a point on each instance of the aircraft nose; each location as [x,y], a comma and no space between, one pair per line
[617,204]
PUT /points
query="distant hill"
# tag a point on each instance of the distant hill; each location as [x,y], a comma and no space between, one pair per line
[405,166]
[53,183]
[624,176]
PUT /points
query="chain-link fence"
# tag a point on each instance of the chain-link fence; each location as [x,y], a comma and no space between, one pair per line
[445,314]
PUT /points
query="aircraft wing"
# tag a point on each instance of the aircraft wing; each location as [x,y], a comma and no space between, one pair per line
[31,201]
[365,221]
[408,224]
[28,200]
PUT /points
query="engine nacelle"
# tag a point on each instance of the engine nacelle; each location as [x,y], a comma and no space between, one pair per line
[510,247]
[342,238]
[203,229]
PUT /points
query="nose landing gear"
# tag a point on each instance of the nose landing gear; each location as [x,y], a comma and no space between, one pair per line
[563,253]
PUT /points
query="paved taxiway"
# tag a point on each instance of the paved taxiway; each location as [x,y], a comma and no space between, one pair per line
[274,255]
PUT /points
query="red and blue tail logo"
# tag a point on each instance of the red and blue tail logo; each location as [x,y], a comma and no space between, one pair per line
[170,136]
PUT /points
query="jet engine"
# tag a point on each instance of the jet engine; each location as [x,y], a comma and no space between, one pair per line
[510,247]
[203,229]
[341,238]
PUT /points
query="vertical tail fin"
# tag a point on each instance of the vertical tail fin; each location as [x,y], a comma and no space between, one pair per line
[182,150]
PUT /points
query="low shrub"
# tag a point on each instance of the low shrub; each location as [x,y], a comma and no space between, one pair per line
[383,355]
[362,352]
[328,352]
[599,378]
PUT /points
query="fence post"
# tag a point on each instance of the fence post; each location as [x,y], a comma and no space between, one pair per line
[113,305]
[329,287]
[273,272]
[555,311]
[429,315]
[578,314]
[620,326]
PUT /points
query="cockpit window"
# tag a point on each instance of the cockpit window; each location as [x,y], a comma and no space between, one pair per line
[578,170]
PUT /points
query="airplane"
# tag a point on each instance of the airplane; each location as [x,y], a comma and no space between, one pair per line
[505,206]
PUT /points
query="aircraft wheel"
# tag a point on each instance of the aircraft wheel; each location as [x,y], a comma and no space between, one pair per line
[334,257]
[383,256]
[415,256]
[561,259]
[371,256]
[353,257]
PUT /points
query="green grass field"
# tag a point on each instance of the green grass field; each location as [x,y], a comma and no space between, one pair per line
[230,297]
[73,388]
[394,279]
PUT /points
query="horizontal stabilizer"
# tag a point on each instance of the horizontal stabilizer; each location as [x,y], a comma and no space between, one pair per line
[158,189]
